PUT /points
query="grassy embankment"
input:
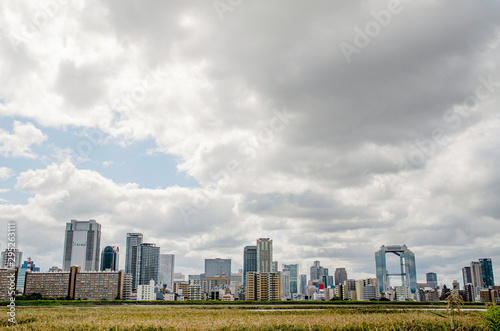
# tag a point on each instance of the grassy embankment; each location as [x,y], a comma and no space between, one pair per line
[231,317]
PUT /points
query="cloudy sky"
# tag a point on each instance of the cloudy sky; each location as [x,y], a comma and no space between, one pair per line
[332,127]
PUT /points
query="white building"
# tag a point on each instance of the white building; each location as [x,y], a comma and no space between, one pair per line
[146,292]
[82,243]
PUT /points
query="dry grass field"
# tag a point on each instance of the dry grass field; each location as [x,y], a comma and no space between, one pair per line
[230,318]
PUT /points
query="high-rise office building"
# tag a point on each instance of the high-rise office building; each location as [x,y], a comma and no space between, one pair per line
[134,240]
[249,261]
[264,255]
[467,275]
[11,258]
[166,275]
[477,277]
[340,276]
[327,281]
[110,258]
[317,271]
[286,294]
[28,265]
[408,268]
[294,275]
[303,284]
[148,263]
[217,267]
[431,279]
[487,272]
[82,243]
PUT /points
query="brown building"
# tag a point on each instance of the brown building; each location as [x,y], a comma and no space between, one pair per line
[263,286]
[8,281]
[182,289]
[251,286]
[48,284]
[91,285]
[98,285]
[490,294]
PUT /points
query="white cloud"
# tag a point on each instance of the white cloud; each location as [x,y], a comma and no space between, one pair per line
[19,142]
[6,173]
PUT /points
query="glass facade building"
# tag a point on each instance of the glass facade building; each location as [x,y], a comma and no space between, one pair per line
[408,271]
[148,263]
[467,276]
[217,267]
[134,240]
[110,258]
[166,276]
[431,279]
[294,275]
[303,284]
[249,261]
[487,272]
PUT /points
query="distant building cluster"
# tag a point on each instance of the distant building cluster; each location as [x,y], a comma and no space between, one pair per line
[89,273]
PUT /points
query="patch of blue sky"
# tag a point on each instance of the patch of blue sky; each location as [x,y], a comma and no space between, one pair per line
[128,164]
[122,164]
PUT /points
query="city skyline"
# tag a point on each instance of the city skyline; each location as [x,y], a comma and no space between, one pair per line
[332,128]
[484,270]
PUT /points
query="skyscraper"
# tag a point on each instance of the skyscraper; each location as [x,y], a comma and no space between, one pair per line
[407,262]
[467,275]
[217,267]
[166,275]
[286,294]
[110,258]
[82,243]
[294,274]
[340,276]
[249,260]
[431,279]
[264,255]
[134,240]
[317,272]
[487,272]
[11,258]
[477,277]
[148,263]
[303,284]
